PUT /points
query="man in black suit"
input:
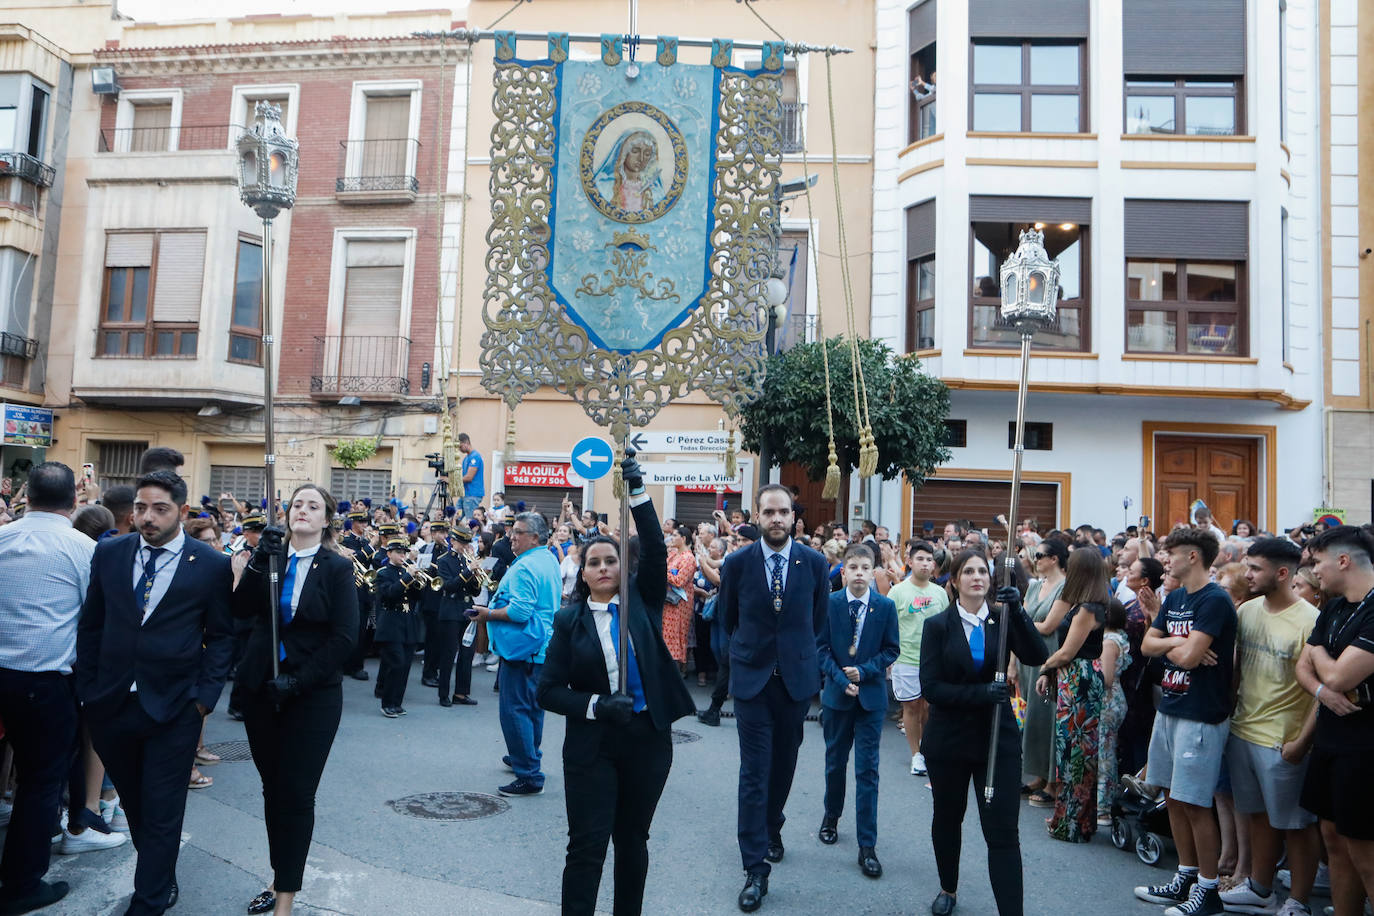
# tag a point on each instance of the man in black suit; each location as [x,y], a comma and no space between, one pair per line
[773,600]
[152,652]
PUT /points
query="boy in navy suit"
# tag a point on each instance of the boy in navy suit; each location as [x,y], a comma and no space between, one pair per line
[857,645]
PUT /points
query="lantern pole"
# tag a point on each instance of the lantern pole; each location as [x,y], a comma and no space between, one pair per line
[1030,288]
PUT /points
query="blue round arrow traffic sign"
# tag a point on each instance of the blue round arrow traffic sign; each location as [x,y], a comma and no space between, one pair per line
[592,457]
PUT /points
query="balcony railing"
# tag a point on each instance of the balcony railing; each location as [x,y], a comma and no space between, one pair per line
[184,138]
[18,345]
[361,366]
[793,121]
[26,168]
[378,165]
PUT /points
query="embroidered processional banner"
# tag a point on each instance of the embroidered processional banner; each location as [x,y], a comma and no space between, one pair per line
[634,226]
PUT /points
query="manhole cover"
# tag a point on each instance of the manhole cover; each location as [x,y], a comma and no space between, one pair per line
[449,806]
[231,750]
[682,737]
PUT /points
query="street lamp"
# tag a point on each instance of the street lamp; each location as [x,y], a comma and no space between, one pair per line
[1030,292]
[267,183]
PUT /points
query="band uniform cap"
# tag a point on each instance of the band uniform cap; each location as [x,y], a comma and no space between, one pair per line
[255,521]
[358,515]
[463,534]
[389,529]
[397,544]
[438,526]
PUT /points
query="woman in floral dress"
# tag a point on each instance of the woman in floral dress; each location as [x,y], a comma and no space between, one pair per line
[1079,617]
[1116,658]
[677,607]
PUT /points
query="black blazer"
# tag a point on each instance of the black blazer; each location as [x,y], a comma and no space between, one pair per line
[762,641]
[181,654]
[460,586]
[959,719]
[575,667]
[322,630]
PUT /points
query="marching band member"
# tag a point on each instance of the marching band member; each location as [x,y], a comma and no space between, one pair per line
[291,719]
[253,525]
[398,628]
[432,547]
[462,583]
[357,541]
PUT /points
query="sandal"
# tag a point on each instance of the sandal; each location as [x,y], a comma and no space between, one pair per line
[201,781]
[206,756]
[1040,799]
[263,903]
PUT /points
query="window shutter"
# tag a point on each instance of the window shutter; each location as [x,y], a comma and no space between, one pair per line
[180,270]
[1030,209]
[129,249]
[1029,18]
[153,116]
[388,117]
[920,230]
[1197,229]
[921,26]
[1184,37]
[372,290]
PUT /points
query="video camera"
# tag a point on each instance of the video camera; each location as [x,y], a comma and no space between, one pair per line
[436,460]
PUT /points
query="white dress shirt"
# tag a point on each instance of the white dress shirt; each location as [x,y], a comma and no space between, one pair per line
[601,616]
[163,573]
[45,566]
[863,612]
[972,622]
[304,561]
[768,553]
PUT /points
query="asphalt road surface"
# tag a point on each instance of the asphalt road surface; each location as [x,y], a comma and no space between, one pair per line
[374,857]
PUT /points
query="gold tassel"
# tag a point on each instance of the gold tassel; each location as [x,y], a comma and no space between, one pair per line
[730,465]
[868,452]
[510,436]
[832,476]
[617,481]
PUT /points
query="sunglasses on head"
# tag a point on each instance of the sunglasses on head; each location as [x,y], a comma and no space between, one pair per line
[1043,556]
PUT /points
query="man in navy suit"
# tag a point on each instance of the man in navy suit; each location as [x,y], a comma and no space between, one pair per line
[773,598]
[856,647]
[152,651]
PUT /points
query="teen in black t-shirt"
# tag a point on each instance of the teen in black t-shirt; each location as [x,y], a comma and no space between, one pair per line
[1201,693]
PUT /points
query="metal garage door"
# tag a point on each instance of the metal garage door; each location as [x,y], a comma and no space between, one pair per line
[243,483]
[360,484]
[981,501]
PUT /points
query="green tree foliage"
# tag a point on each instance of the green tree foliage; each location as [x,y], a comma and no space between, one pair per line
[353,452]
[907,409]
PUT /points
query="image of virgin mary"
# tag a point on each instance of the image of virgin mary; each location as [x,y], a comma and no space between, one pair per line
[629,177]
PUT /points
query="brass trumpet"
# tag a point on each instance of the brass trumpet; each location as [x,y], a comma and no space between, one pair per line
[421,579]
[363,576]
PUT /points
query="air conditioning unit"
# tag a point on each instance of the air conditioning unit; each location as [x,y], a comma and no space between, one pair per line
[104,80]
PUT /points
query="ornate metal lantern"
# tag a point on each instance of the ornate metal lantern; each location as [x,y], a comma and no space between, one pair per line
[267,163]
[1030,285]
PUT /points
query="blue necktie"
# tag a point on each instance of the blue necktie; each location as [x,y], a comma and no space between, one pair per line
[854,607]
[145,584]
[975,645]
[632,681]
[288,591]
[775,580]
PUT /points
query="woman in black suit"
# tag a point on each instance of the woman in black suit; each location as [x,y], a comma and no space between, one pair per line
[618,748]
[958,664]
[291,719]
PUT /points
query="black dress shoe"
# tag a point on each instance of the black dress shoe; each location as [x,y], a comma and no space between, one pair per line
[45,894]
[709,716]
[359,675]
[235,714]
[174,896]
[828,834]
[464,701]
[755,889]
[943,904]
[775,850]
[262,903]
[868,862]
[429,682]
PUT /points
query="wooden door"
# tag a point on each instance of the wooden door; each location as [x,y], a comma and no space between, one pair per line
[1222,472]
[817,511]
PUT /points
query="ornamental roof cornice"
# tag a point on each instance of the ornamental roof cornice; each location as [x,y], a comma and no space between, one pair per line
[278,56]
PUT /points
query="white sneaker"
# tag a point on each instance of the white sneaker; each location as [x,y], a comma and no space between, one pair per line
[1321,885]
[113,814]
[479,659]
[1291,907]
[918,765]
[89,840]
[62,828]
[1243,899]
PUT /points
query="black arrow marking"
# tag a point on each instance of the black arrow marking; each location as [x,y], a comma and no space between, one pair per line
[637,441]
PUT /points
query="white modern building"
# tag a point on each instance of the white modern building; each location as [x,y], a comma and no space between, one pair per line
[1169,150]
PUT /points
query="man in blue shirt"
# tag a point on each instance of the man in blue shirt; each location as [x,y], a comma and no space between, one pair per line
[519,625]
[474,481]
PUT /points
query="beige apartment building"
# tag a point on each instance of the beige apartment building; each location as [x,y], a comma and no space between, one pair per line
[1347,127]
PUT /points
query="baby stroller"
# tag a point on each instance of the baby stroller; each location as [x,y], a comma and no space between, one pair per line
[1139,817]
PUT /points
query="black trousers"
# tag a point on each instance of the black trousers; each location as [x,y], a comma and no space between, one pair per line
[770,732]
[703,656]
[367,610]
[40,715]
[149,763]
[612,796]
[949,782]
[431,645]
[450,645]
[290,747]
[394,671]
